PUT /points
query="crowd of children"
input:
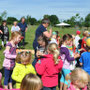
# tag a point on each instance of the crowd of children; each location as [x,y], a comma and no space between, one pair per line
[53,57]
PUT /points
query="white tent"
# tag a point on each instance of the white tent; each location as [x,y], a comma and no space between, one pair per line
[63,24]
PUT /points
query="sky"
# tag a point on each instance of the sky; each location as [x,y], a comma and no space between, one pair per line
[64,9]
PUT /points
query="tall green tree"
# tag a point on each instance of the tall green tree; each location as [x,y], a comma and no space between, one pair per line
[53,19]
[10,20]
[87,20]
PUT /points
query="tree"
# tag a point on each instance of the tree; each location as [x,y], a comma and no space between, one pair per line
[46,16]
[10,20]
[33,21]
[87,20]
[4,15]
[0,19]
[53,19]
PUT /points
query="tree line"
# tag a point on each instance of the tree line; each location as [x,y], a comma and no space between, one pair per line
[76,20]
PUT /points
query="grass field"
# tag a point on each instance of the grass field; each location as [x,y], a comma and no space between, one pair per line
[30,34]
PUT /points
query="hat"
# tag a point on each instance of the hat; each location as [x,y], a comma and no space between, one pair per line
[78,32]
[0,75]
[88,42]
[54,33]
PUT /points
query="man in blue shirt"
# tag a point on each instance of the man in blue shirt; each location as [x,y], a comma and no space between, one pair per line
[23,28]
[42,30]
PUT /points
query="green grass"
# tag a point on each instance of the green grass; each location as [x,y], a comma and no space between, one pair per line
[30,34]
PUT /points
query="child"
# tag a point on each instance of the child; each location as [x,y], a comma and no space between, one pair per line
[5,32]
[65,56]
[22,67]
[9,61]
[79,79]
[57,37]
[31,82]
[83,45]
[15,27]
[41,49]
[49,66]
[54,38]
[85,58]
[77,38]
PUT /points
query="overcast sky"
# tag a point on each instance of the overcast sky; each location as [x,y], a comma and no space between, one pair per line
[64,9]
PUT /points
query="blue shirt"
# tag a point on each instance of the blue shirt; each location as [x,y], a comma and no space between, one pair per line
[85,60]
[39,31]
[22,26]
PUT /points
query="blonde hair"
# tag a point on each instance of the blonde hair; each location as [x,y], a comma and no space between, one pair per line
[15,22]
[23,56]
[53,48]
[31,82]
[14,35]
[78,74]
[85,33]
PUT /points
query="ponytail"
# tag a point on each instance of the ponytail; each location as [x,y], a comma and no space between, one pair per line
[56,55]
[53,48]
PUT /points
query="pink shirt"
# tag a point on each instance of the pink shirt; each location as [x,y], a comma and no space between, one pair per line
[72,88]
[49,71]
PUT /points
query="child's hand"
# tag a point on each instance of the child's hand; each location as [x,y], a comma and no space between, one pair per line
[39,54]
[76,55]
[1,32]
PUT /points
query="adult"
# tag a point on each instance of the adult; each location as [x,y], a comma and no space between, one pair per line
[42,30]
[15,27]
[23,28]
[5,32]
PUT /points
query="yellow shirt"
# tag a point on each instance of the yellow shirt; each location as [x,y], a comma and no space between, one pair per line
[20,71]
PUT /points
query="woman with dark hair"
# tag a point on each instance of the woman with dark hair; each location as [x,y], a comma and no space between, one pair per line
[5,32]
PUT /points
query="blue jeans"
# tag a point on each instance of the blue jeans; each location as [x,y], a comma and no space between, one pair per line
[7,78]
[49,88]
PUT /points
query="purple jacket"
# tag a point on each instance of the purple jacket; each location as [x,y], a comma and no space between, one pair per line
[9,60]
[65,56]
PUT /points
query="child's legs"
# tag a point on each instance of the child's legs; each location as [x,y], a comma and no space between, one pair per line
[10,81]
[66,83]
[62,81]
[7,78]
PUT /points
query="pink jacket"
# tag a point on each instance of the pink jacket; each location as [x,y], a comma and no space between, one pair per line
[48,70]
[72,88]
[9,61]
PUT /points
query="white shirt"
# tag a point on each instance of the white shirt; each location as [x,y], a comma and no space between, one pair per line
[77,38]
[53,40]
[15,28]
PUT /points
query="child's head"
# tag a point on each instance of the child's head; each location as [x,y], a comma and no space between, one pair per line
[31,82]
[78,32]
[42,41]
[4,22]
[15,23]
[78,77]
[85,33]
[53,49]
[54,35]
[88,44]
[16,37]
[67,39]
[24,57]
